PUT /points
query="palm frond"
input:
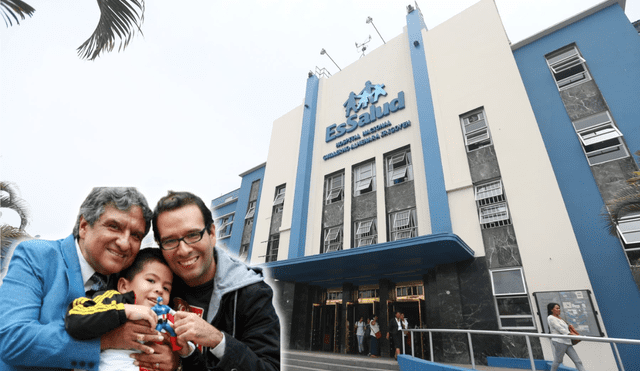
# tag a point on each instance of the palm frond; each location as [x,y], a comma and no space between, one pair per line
[14,9]
[8,235]
[9,199]
[118,18]
[626,202]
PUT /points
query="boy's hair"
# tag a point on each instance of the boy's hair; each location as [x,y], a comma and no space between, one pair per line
[145,256]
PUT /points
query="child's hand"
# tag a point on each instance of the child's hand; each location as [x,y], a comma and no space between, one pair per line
[140,312]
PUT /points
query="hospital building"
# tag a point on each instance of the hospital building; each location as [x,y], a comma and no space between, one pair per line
[461,179]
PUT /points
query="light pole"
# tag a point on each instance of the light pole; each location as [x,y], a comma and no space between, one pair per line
[323,52]
[370,20]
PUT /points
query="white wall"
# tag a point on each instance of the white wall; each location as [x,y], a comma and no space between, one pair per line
[470,66]
[282,164]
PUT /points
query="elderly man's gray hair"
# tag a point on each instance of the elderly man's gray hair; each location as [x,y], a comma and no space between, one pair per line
[122,198]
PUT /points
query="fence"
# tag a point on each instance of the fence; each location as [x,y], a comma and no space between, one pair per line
[527,335]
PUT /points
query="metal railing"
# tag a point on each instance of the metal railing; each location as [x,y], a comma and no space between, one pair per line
[527,335]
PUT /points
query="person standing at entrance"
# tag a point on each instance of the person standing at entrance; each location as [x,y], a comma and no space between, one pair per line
[405,335]
[375,335]
[360,325]
[395,330]
[559,326]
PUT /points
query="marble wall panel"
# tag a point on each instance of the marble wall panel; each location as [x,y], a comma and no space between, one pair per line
[333,214]
[301,321]
[501,247]
[611,177]
[276,222]
[363,206]
[400,197]
[583,100]
[483,164]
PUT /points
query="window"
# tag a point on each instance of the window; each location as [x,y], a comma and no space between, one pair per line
[368,293]
[601,140]
[278,201]
[404,291]
[492,207]
[334,296]
[568,68]
[364,179]
[629,231]
[399,168]
[251,210]
[512,301]
[495,215]
[332,239]
[403,225]
[475,130]
[272,248]
[334,187]
[224,224]
[489,193]
[366,233]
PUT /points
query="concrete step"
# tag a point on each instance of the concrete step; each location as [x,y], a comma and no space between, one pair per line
[293,360]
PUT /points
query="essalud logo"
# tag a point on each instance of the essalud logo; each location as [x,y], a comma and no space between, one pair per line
[369,94]
[368,97]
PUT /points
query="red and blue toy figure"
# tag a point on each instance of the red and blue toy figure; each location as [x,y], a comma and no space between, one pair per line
[164,314]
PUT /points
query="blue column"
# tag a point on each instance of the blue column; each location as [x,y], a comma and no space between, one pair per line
[303,175]
[437,193]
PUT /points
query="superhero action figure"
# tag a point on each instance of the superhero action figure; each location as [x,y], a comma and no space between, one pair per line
[163,322]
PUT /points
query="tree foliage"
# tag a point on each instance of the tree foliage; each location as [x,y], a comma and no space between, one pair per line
[9,234]
[119,19]
[627,201]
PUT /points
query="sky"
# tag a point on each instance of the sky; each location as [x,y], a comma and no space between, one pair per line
[189,105]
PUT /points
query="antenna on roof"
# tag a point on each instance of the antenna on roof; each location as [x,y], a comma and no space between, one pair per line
[362,47]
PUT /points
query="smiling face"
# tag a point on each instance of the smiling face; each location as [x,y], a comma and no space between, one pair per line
[111,244]
[193,263]
[154,280]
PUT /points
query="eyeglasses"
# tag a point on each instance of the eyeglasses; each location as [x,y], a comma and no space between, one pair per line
[190,238]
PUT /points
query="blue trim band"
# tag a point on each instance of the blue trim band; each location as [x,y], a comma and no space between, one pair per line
[303,175]
[436,191]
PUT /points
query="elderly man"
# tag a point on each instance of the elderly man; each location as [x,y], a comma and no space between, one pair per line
[45,276]
[226,306]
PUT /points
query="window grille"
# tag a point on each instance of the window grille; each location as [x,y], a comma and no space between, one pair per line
[272,248]
[333,239]
[568,68]
[399,168]
[403,225]
[251,210]
[366,233]
[364,179]
[601,140]
[334,189]
[475,130]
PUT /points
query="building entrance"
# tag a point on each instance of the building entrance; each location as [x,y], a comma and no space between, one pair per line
[325,334]
[415,316]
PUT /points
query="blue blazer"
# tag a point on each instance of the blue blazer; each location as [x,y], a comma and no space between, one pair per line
[43,278]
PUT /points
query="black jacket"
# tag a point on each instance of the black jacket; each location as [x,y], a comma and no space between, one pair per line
[246,316]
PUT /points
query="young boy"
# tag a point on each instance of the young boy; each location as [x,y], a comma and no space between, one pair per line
[139,288]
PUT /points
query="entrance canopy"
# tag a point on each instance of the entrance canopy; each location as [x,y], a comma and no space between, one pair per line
[398,261]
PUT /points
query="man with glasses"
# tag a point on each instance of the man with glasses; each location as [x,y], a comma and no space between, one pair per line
[223,305]
[45,276]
